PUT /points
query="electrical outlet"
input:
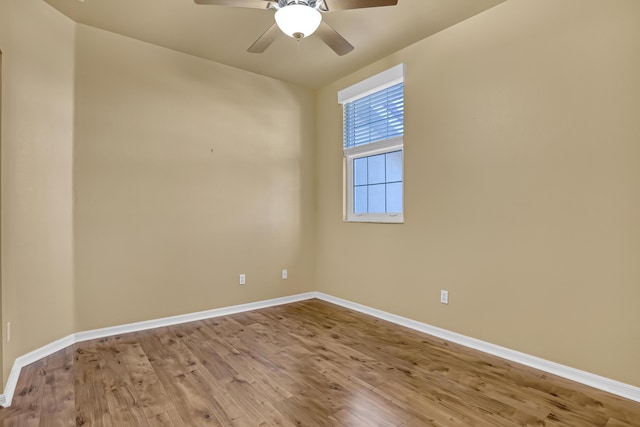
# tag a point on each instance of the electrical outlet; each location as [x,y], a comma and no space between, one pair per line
[284,274]
[444,297]
[243,279]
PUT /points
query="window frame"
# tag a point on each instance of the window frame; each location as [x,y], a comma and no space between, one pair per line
[367,150]
[359,90]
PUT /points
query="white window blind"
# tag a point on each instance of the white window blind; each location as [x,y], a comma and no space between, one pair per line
[374,117]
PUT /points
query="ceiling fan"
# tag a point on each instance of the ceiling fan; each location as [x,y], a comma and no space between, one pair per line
[301,18]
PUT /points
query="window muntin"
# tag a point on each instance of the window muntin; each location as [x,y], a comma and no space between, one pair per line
[377,183]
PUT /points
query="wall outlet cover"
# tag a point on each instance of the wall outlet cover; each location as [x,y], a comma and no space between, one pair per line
[444,297]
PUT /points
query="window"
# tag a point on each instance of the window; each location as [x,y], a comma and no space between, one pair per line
[373,147]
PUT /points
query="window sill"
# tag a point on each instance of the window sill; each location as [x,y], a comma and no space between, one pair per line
[380,219]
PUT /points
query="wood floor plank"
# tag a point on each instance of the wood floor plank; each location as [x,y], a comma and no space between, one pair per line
[23,420]
[617,423]
[130,416]
[201,411]
[172,362]
[167,419]
[149,392]
[344,417]
[89,390]
[205,351]
[58,401]
[309,363]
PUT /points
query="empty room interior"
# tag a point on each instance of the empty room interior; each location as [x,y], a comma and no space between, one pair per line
[186,238]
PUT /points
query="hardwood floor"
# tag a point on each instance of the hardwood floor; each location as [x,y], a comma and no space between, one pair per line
[303,364]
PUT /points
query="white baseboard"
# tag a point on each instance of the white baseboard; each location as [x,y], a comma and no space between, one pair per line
[27,359]
[191,317]
[596,381]
[606,384]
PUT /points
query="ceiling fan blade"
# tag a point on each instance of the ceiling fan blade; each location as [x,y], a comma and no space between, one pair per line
[252,4]
[333,5]
[334,40]
[265,40]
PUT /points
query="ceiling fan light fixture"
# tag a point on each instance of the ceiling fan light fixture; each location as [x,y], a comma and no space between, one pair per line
[298,20]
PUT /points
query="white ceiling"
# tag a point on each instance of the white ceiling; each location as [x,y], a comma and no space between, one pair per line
[223,34]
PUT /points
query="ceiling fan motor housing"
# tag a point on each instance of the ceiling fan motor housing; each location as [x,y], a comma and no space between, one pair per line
[311,3]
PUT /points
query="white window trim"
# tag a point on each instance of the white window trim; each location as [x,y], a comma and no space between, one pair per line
[361,89]
[380,81]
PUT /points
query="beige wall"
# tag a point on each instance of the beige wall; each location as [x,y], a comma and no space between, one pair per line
[37,140]
[522,180]
[187,173]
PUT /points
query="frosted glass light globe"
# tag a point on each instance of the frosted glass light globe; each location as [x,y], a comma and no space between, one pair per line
[298,20]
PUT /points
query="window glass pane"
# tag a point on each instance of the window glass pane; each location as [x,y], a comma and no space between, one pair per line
[394,197]
[376,169]
[376,198]
[360,171]
[360,199]
[377,183]
[394,166]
